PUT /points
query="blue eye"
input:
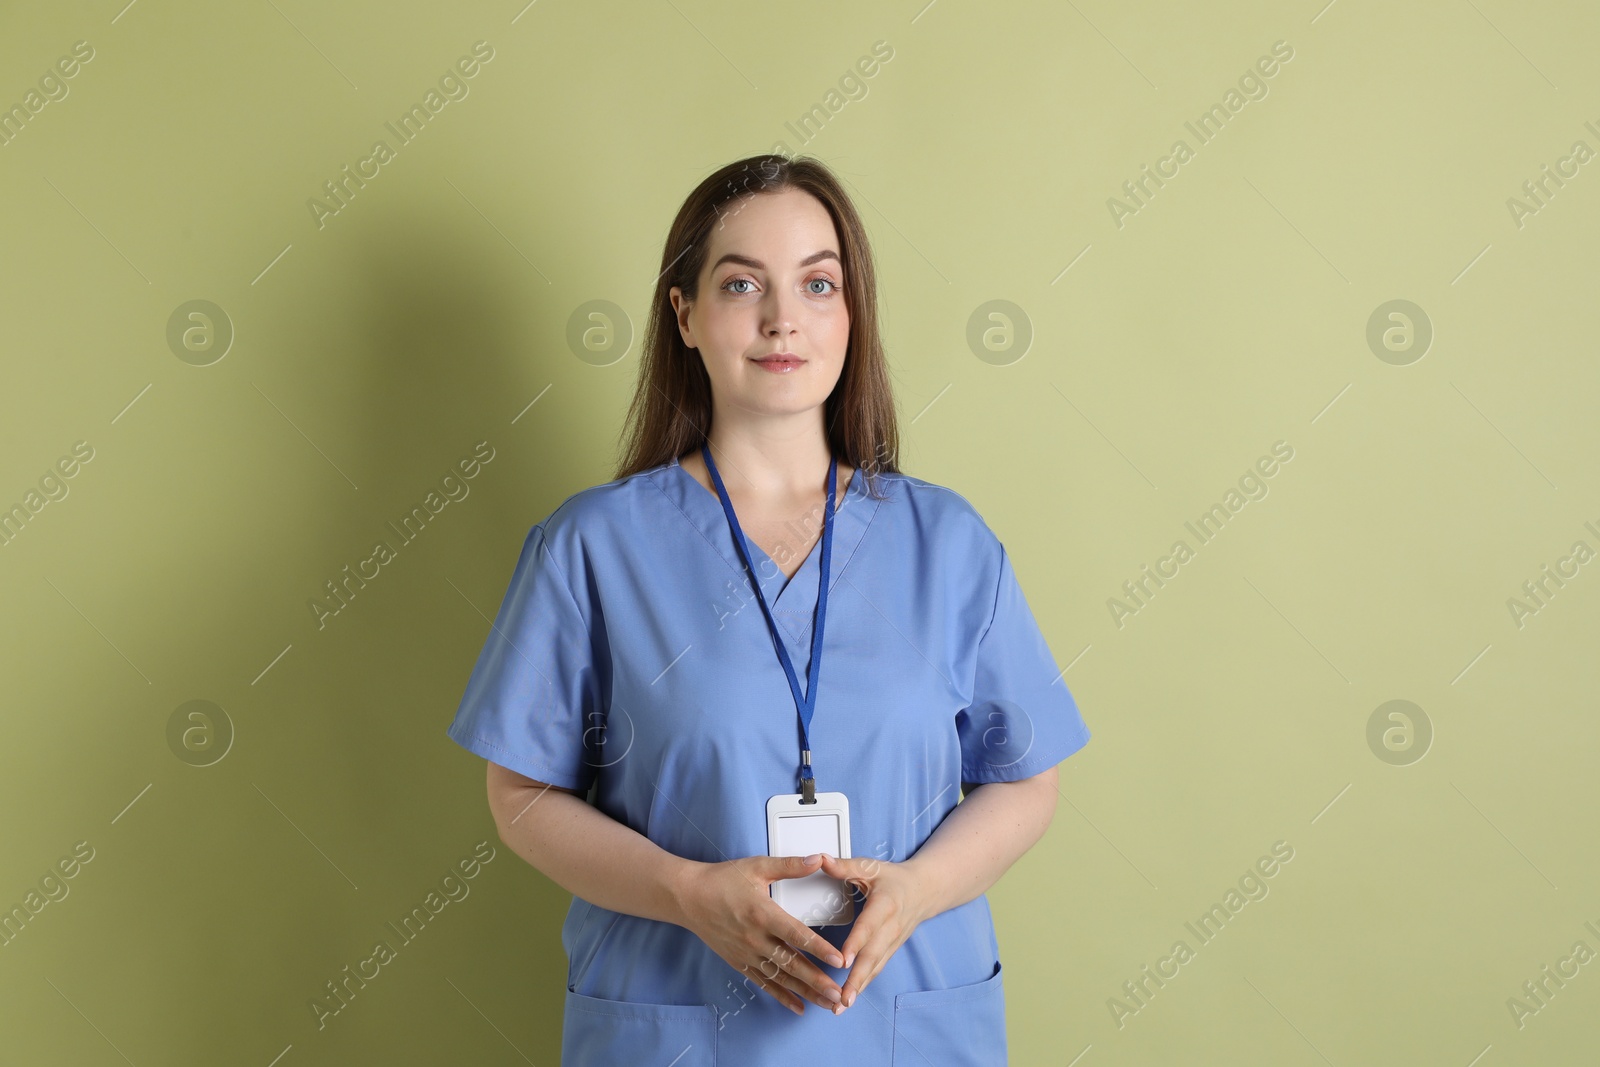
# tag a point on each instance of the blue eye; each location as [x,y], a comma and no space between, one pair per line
[727,286]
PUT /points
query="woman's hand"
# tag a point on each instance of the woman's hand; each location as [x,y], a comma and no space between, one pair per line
[897,901]
[729,906]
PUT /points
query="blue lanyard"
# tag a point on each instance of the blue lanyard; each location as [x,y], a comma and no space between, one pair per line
[807,704]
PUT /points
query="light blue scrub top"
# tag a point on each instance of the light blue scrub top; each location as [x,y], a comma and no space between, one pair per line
[630,649]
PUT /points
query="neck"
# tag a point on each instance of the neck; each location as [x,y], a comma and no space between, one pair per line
[770,456]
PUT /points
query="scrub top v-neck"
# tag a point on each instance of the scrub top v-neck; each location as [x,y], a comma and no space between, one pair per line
[629,653]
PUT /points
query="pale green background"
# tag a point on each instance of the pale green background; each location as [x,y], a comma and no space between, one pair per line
[1228,314]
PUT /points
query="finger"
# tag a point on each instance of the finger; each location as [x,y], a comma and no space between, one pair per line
[803,937]
[800,987]
[855,872]
[858,876]
[792,960]
[866,925]
[785,966]
[791,866]
[868,963]
[774,985]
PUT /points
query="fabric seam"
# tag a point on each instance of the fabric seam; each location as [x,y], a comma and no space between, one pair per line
[560,579]
[994,609]
[696,527]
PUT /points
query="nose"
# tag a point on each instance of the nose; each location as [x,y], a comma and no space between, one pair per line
[778,313]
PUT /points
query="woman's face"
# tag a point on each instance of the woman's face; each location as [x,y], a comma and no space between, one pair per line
[772,283]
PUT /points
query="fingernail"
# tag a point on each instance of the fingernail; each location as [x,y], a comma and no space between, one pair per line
[836,959]
[814,857]
[850,998]
[848,960]
[837,1008]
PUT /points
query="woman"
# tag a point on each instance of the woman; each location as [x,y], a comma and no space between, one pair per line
[633,655]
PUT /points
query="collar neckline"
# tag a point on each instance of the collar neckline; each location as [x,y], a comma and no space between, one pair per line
[852,514]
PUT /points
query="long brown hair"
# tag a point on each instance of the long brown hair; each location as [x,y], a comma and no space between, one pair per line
[671,409]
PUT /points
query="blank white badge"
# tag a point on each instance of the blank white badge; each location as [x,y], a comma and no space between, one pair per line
[796,829]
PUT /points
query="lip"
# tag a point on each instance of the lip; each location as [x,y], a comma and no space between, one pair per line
[778,362]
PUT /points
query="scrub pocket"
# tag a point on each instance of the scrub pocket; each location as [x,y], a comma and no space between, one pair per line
[960,1027]
[616,1033]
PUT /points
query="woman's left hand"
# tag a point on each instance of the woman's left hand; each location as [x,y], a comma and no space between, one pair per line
[897,901]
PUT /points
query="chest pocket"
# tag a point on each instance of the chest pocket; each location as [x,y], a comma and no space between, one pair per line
[964,1026]
[613,1033]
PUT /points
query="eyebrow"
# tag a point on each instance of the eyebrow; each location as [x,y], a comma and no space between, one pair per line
[756,264]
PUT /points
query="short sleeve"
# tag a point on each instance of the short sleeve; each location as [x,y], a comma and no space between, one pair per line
[1022,719]
[534,694]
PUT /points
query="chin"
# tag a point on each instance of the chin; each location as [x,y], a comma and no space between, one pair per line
[779,407]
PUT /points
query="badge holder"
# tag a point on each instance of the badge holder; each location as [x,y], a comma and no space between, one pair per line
[796,828]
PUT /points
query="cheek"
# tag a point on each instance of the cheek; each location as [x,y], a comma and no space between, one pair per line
[833,328]
[716,330]
[730,324]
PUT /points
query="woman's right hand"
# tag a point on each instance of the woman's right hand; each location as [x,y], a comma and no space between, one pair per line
[729,906]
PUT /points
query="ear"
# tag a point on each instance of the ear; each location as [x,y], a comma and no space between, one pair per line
[680,311]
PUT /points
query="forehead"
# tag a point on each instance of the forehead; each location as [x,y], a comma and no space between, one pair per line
[779,229]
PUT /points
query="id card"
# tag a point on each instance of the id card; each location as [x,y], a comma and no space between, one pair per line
[796,829]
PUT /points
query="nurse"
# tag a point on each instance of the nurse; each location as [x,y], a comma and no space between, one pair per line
[762,605]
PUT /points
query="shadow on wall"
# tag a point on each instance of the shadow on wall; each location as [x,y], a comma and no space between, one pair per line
[456,334]
[437,355]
